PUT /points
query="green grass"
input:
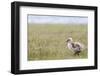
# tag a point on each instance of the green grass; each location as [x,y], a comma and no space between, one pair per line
[47,42]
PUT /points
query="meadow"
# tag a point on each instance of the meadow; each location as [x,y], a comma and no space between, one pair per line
[48,41]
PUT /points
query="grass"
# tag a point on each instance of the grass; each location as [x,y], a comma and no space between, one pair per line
[47,41]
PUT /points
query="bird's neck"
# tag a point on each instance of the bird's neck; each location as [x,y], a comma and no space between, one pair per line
[69,42]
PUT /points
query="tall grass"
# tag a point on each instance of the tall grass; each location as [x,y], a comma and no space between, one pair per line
[48,41]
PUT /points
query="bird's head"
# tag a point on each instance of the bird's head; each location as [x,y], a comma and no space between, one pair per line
[69,40]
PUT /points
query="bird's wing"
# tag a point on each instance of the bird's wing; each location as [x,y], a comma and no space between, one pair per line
[80,45]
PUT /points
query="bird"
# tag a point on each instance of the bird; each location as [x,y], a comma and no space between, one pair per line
[75,47]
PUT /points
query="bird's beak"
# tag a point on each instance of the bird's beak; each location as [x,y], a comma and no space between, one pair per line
[67,40]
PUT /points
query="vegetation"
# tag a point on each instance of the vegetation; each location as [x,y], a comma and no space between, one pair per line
[48,41]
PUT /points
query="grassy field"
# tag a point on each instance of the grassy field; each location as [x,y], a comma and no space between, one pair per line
[47,42]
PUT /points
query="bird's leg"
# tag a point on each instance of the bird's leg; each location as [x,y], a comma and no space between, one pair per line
[77,53]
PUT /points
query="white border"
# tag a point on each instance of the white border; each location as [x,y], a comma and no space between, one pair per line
[26,65]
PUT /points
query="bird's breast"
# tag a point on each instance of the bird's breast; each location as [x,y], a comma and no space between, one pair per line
[69,46]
